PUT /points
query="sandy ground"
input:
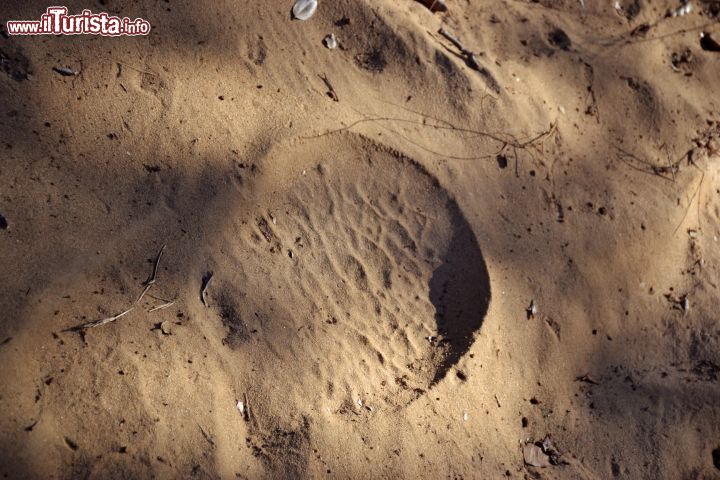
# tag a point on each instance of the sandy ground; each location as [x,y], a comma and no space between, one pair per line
[358,267]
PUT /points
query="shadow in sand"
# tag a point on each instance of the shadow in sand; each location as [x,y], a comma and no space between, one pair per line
[460,292]
[14,465]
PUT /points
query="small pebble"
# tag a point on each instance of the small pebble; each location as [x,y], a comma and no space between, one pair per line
[304,9]
[165,328]
[330,41]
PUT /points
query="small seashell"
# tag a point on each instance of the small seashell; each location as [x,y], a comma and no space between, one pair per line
[304,9]
[241,407]
[330,41]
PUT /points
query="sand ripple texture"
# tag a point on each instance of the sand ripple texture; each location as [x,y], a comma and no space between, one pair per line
[382,282]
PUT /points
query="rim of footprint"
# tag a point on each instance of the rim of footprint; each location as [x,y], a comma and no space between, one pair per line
[357,269]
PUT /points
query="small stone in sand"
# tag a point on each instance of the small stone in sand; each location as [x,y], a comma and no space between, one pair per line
[304,9]
[165,328]
[330,41]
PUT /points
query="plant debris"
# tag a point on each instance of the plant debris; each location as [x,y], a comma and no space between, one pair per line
[330,93]
[66,71]
[148,283]
[542,454]
[207,436]
[151,279]
[472,61]
[161,307]
[99,323]
[535,457]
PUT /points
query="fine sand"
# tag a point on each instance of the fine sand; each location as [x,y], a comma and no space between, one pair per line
[402,261]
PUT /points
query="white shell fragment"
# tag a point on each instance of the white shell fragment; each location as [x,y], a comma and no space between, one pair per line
[304,9]
[241,407]
[330,41]
[682,10]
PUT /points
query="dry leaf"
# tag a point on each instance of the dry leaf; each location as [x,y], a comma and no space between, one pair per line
[534,456]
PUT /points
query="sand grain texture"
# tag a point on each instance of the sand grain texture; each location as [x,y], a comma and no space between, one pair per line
[375,221]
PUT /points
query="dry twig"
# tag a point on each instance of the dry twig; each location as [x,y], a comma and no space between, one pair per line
[692,199]
[472,60]
[507,141]
[331,90]
[148,283]
[161,307]
[98,323]
[151,279]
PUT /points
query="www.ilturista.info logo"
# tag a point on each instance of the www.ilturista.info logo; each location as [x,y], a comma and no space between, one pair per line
[56,21]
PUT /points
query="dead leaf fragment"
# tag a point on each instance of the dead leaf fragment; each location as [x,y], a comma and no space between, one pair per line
[535,457]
